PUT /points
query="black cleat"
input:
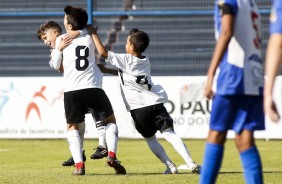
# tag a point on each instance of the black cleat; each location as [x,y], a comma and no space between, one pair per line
[70,161]
[113,162]
[100,152]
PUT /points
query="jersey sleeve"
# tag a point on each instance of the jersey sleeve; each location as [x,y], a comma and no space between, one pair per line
[228,7]
[56,56]
[276,18]
[56,59]
[118,60]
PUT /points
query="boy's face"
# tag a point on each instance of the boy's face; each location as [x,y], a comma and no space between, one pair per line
[49,37]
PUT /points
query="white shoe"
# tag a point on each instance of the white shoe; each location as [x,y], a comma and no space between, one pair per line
[195,168]
[171,170]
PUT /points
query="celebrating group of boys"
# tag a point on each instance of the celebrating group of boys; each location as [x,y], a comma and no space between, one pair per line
[236,70]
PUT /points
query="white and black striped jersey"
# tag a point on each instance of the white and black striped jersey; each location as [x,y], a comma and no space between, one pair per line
[138,90]
[80,69]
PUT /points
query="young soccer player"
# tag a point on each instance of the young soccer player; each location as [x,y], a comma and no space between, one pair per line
[83,90]
[238,101]
[143,99]
[273,59]
[48,33]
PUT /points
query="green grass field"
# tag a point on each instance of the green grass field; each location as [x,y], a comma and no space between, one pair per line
[39,161]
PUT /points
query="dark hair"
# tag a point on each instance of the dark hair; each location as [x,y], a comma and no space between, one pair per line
[77,17]
[48,25]
[139,39]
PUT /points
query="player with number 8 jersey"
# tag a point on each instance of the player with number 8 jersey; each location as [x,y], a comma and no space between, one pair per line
[83,91]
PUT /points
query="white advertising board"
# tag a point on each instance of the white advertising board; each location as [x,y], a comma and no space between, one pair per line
[32,107]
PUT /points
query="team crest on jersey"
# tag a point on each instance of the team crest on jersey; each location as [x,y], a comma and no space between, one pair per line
[273,15]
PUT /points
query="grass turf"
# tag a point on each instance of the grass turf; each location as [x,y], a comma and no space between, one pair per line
[39,162]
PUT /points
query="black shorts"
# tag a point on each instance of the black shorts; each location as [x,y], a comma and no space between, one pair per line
[148,120]
[80,102]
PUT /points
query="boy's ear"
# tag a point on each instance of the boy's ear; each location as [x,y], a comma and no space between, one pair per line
[56,33]
[132,47]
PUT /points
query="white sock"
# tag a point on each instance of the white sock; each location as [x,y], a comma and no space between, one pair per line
[74,145]
[101,130]
[81,127]
[158,150]
[179,146]
[112,137]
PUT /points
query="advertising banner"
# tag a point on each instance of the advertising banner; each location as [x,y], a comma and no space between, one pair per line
[32,107]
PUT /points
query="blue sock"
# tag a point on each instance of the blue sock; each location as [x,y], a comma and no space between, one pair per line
[212,163]
[252,166]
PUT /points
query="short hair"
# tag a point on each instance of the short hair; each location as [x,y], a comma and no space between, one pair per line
[77,17]
[139,39]
[48,25]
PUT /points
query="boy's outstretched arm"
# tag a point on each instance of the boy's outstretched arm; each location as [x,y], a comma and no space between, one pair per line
[107,70]
[103,52]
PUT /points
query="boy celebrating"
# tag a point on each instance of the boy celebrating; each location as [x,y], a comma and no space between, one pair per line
[238,101]
[48,33]
[143,99]
[83,91]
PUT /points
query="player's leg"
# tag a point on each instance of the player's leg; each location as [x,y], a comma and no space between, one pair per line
[213,156]
[181,148]
[75,147]
[160,153]
[250,157]
[221,116]
[146,127]
[70,161]
[164,123]
[101,150]
[103,109]
[112,141]
[252,109]
[75,113]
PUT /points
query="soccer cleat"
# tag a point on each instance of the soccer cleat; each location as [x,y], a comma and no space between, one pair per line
[100,152]
[80,169]
[113,162]
[70,161]
[171,170]
[195,169]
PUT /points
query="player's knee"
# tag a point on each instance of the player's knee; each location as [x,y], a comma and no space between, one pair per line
[217,137]
[110,119]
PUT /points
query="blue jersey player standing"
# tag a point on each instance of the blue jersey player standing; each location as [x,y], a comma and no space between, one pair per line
[236,72]
[273,59]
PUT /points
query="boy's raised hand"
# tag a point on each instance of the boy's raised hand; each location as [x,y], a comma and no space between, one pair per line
[65,41]
[91,29]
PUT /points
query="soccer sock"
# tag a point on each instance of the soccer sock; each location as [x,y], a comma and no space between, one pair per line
[81,129]
[251,162]
[112,137]
[212,163]
[179,146]
[158,150]
[101,130]
[74,145]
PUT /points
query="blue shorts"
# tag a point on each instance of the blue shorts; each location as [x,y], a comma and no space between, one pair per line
[237,112]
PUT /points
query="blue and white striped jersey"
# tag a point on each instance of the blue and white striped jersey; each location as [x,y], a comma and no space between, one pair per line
[241,68]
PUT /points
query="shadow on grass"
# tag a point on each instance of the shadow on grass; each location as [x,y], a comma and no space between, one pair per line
[240,172]
[135,174]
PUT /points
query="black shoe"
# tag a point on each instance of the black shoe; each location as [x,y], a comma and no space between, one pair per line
[100,152]
[113,162]
[70,161]
[80,170]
